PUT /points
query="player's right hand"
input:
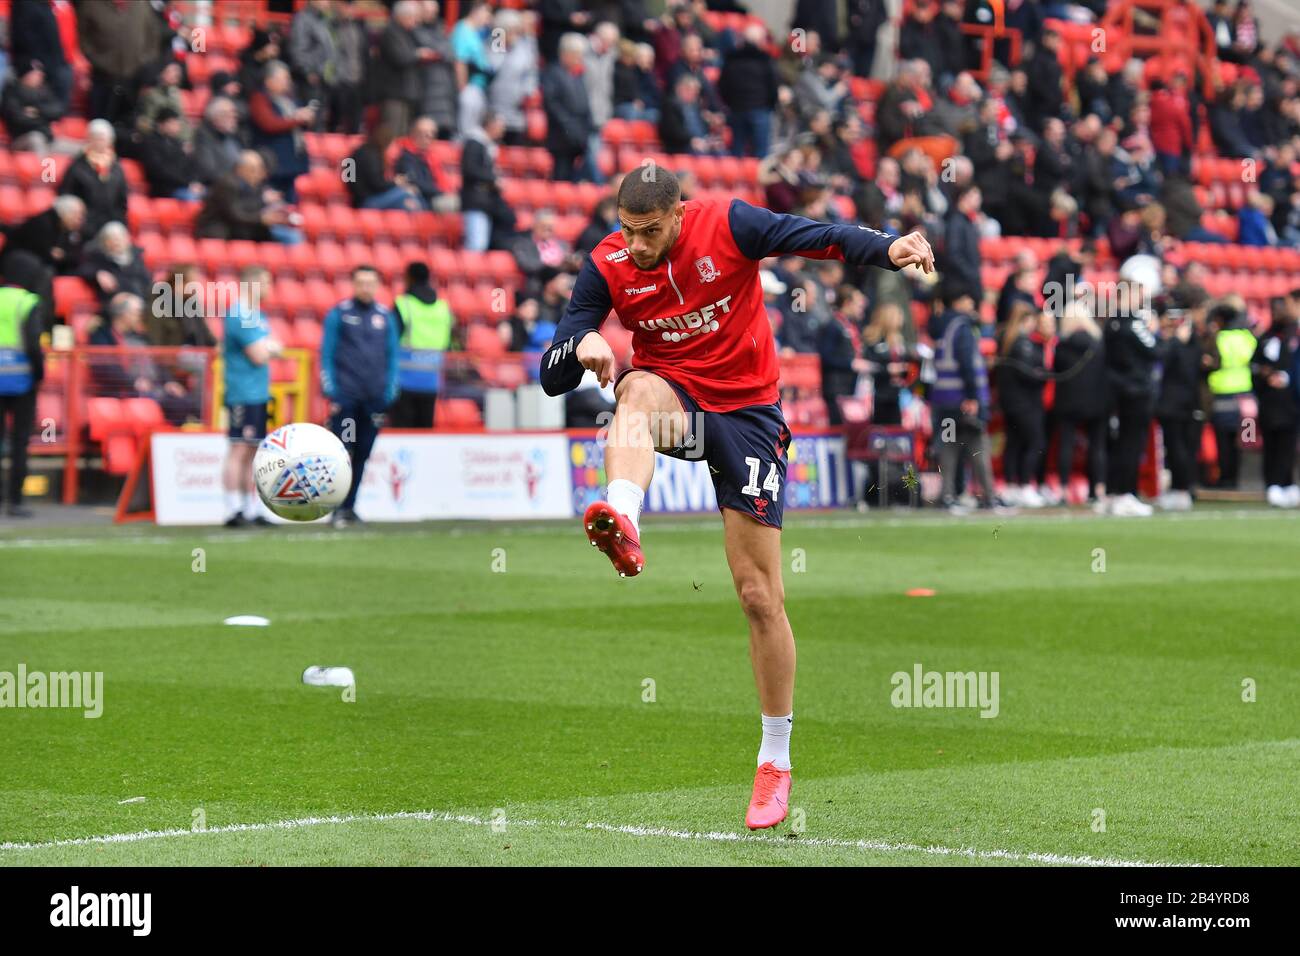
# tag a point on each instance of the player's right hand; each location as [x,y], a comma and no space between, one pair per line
[595,354]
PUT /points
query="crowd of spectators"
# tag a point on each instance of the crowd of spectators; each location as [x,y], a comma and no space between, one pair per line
[1106,158]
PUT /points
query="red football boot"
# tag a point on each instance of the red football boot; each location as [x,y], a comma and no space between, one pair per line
[771,800]
[613,534]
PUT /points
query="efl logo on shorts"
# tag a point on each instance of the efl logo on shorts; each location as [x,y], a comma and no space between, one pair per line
[708,271]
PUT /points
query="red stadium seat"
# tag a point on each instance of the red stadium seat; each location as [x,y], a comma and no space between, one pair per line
[457,413]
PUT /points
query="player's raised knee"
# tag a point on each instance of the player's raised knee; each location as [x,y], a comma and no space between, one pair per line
[637,393]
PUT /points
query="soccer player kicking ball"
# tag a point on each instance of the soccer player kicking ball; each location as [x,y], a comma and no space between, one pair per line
[703,383]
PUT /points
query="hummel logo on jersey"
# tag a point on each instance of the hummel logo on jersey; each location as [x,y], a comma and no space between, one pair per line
[642,289]
[617,256]
[692,323]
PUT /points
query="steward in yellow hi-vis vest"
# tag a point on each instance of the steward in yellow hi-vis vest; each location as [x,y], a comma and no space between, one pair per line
[1229,382]
[21,370]
[426,334]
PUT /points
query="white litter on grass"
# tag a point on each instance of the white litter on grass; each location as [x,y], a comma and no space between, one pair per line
[247,620]
[131,800]
[433,816]
[319,676]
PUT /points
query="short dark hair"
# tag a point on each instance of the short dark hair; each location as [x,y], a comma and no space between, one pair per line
[954,290]
[652,189]
[417,273]
[363,267]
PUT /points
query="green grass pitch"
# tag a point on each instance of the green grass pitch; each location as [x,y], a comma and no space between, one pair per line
[499,713]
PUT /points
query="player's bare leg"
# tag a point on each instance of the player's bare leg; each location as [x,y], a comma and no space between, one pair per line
[754,555]
[648,415]
[237,481]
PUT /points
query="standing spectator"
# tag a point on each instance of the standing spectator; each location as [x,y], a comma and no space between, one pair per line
[1245,33]
[598,77]
[1279,403]
[114,265]
[217,143]
[358,366]
[636,90]
[568,110]
[28,107]
[370,187]
[314,52]
[961,258]
[960,395]
[1021,376]
[278,124]
[473,69]
[866,17]
[439,82]
[1178,409]
[419,165]
[1044,76]
[1171,124]
[890,361]
[748,86]
[923,37]
[1081,405]
[169,161]
[353,44]
[237,207]
[487,216]
[22,319]
[247,348]
[397,77]
[558,18]
[96,178]
[515,76]
[1229,381]
[34,36]
[1021,285]
[840,350]
[426,324]
[118,39]
[1131,369]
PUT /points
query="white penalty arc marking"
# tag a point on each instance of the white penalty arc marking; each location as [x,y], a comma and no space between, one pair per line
[1010,856]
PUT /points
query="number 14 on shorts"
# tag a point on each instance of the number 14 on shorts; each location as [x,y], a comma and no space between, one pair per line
[772,483]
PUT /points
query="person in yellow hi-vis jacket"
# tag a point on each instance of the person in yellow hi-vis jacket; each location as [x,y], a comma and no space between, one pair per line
[1229,381]
[21,370]
[426,335]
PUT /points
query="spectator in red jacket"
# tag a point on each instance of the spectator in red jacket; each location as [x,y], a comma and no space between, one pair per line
[1171,123]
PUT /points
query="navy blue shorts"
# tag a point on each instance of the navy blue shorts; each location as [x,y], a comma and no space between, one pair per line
[746,453]
[247,422]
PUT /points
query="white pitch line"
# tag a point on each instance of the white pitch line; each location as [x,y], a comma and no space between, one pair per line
[625,829]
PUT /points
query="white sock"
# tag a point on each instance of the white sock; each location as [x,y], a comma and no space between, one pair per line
[776,741]
[253,506]
[234,503]
[626,498]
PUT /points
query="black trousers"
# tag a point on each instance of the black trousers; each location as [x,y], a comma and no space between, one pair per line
[413,410]
[1126,446]
[1182,440]
[1024,427]
[22,410]
[1279,455]
[357,425]
[1094,430]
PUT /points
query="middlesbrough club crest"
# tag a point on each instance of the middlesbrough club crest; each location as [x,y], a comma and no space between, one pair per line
[708,271]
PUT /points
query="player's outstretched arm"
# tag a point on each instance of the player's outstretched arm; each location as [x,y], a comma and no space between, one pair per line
[760,233]
[573,350]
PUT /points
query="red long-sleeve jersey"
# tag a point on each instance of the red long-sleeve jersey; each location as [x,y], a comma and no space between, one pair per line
[698,317]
